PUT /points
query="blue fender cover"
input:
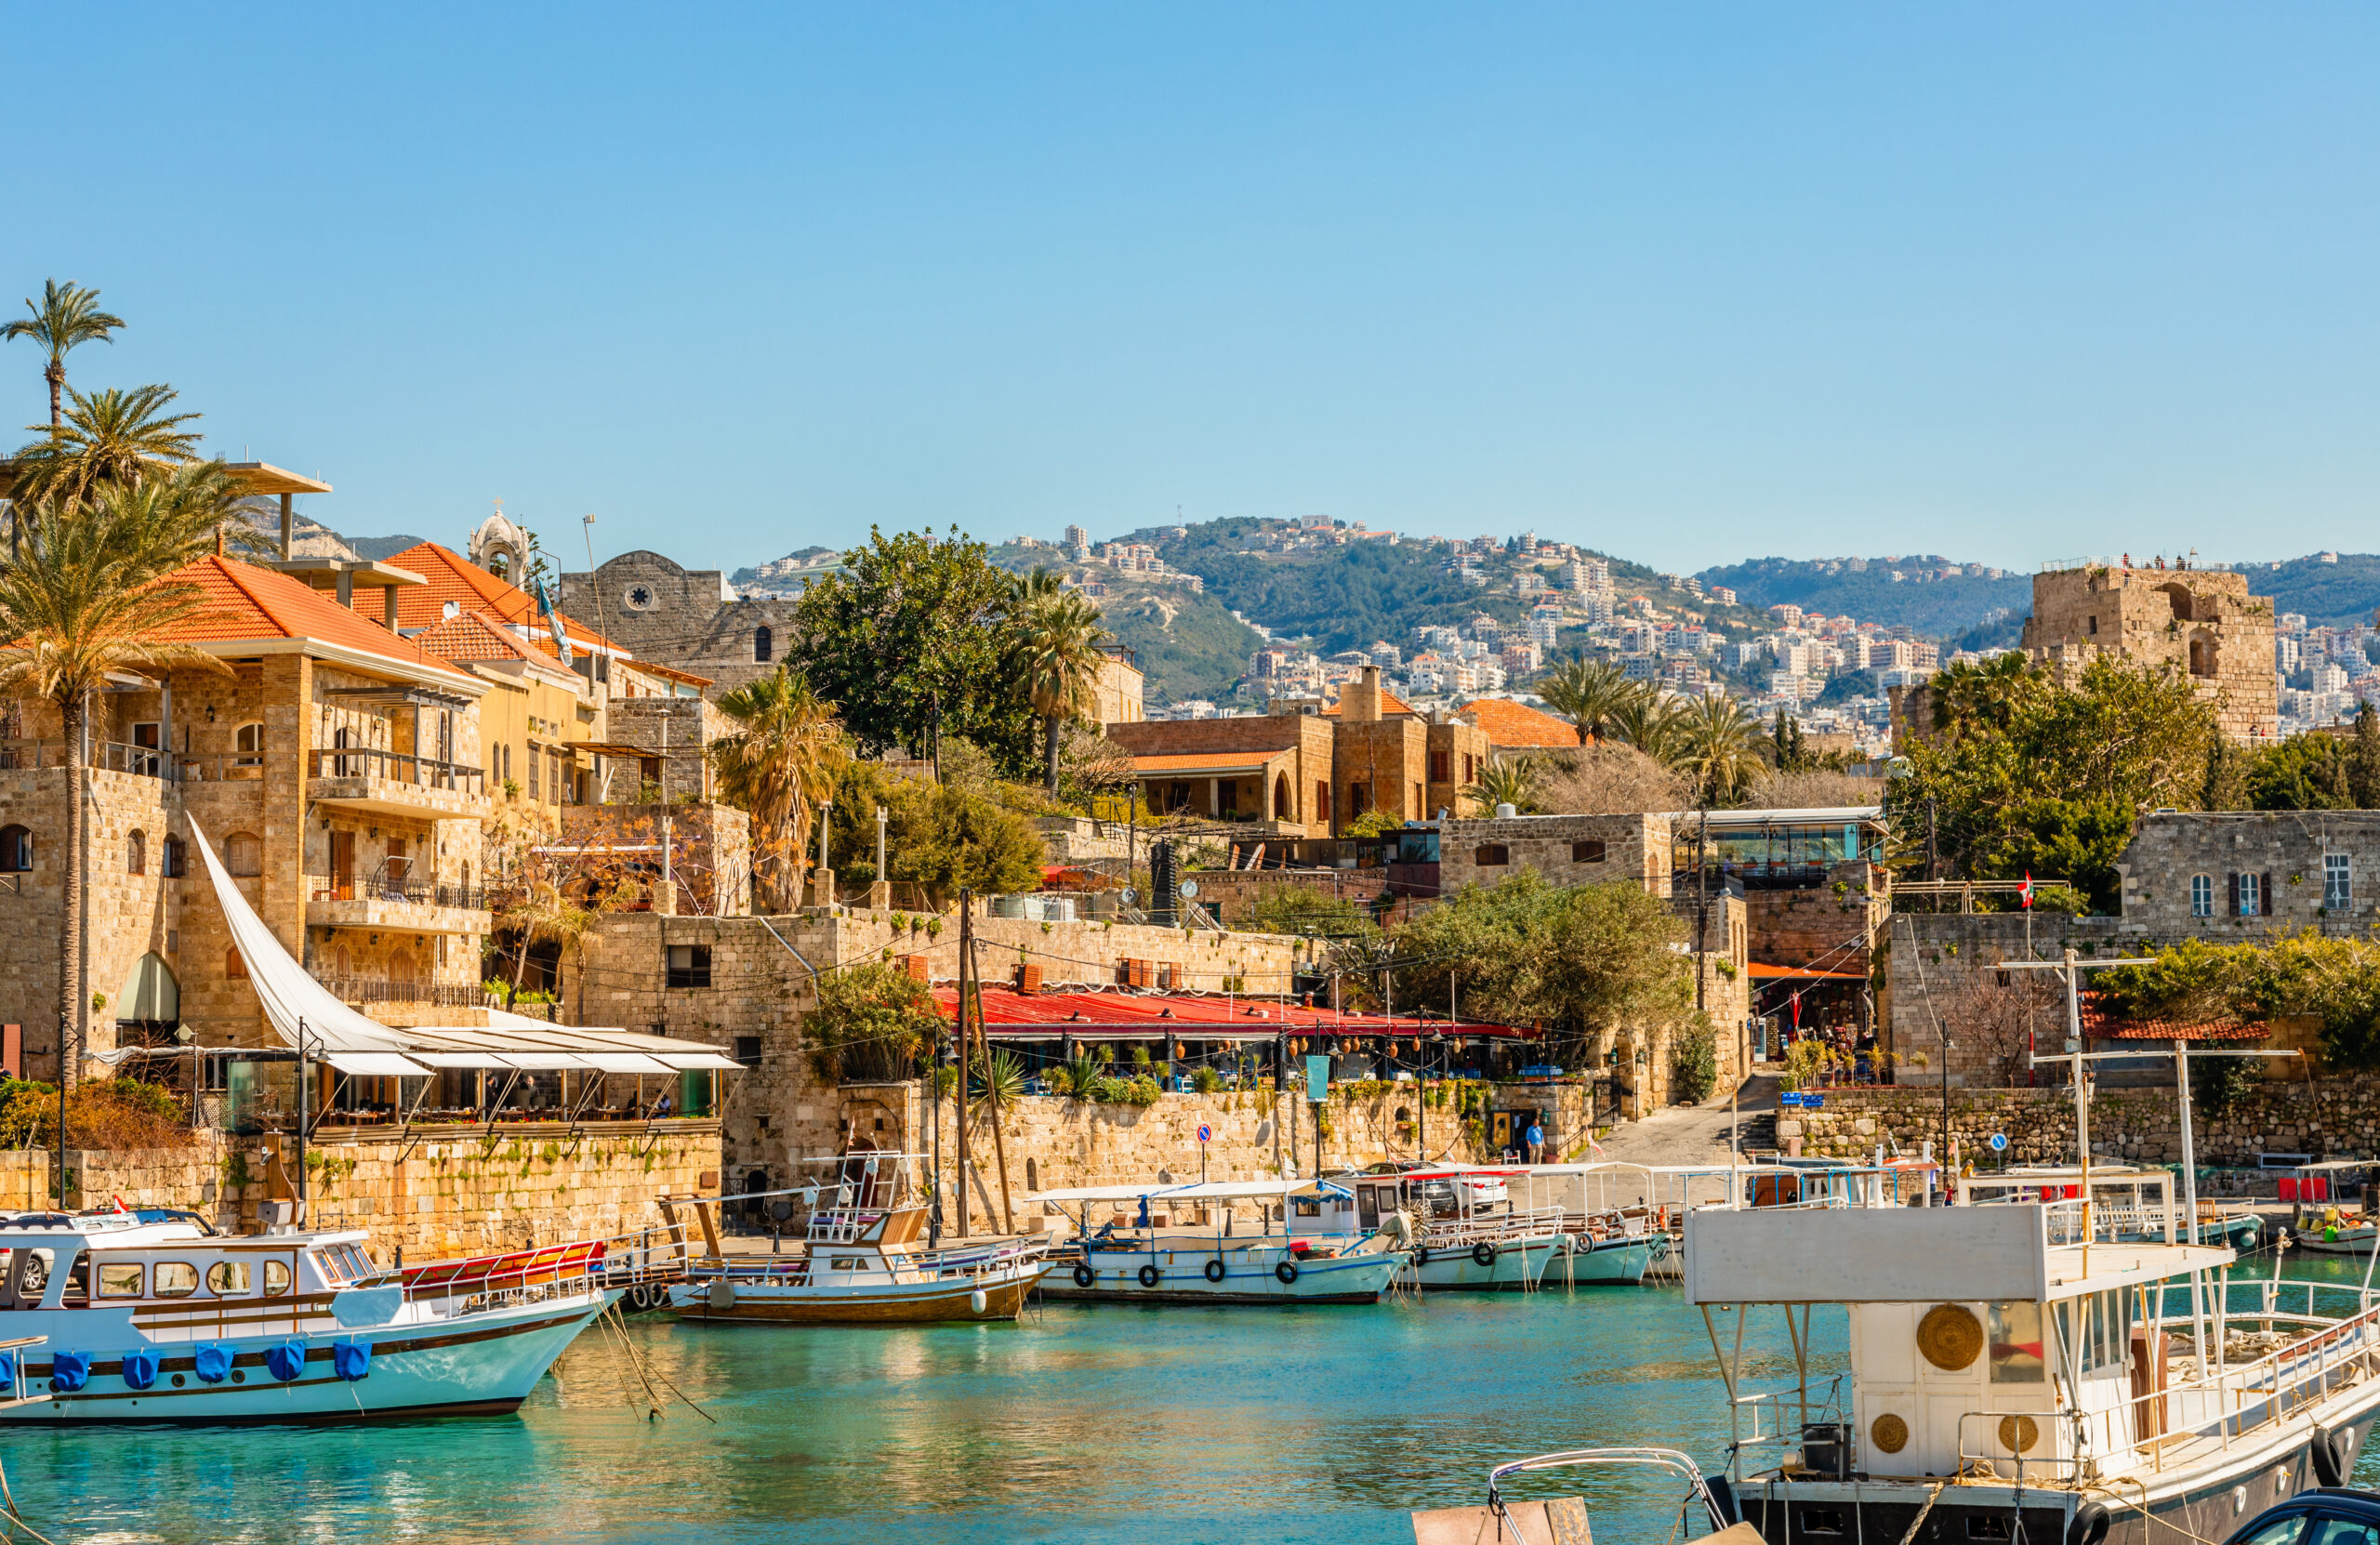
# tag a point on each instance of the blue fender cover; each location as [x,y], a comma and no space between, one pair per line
[69,1370]
[139,1369]
[287,1361]
[213,1364]
[352,1360]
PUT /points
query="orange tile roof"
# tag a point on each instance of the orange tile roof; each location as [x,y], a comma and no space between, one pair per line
[1510,724]
[472,636]
[472,589]
[245,602]
[1174,761]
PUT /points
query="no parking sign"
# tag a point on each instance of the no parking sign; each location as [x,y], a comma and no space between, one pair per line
[1205,1133]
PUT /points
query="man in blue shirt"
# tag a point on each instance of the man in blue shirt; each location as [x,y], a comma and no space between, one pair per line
[1536,1140]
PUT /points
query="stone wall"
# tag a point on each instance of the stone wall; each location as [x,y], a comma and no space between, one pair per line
[1829,928]
[2201,622]
[689,618]
[1931,979]
[2286,850]
[1634,848]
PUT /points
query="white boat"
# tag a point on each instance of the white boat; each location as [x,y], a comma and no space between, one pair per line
[1466,1233]
[2320,1222]
[861,1259]
[1182,1243]
[155,1322]
[2129,1202]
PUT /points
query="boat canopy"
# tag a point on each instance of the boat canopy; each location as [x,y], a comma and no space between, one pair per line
[1192,1190]
[309,1017]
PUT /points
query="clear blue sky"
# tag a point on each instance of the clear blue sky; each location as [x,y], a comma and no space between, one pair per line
[1688,283]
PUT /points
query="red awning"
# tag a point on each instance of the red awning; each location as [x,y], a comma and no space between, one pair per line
[1124,1015]
[1762,971]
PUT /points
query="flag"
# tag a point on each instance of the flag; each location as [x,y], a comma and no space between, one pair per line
[2025,891]
[554,621]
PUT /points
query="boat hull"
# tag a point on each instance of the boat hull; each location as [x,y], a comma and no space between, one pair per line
[1248,1278]
[924,1303]
[480,1365]
[2359,1242]
[1620,1262]
[1514,1268]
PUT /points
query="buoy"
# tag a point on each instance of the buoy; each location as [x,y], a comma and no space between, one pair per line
[977,1301]
[722,1294]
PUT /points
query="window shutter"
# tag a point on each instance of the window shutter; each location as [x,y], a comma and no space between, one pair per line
[2234,879]
[2266,902]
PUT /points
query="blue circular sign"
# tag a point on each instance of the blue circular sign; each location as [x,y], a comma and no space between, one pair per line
[1205,1133]
[2000,1142]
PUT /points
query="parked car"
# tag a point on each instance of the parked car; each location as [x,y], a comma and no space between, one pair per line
[2332,1515]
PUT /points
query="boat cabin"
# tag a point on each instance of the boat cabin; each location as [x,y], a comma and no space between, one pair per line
[51,1261]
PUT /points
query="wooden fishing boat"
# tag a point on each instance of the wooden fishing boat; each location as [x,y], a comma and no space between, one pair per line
[1145,1256]
[1467,1235]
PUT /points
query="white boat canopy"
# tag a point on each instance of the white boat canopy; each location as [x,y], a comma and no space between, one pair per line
[310,1017]
[1176,1191]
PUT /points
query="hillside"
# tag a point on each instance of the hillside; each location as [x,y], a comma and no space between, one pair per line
[1187,645]
[1934,607]
[2334,594]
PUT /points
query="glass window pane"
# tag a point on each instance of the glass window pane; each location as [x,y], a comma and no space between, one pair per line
[276,1278]
[120,1280]
[2342,1531]
[2017,1344]
[228,1279]
[2280,1531]
[175,1279]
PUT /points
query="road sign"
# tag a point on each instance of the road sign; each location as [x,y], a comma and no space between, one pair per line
[1205,1133]
[2000,1142]
[1317,1079]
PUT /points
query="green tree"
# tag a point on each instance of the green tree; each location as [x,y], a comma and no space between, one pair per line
[93,592]
[1592,692]
[1652,724]
[2305,771]
[941,838]
[913,643]
[1508,781]
[779,764]
[111,437]
[1056,640]
[874,1023]
[1718,747]
[68,317]
[2363,760]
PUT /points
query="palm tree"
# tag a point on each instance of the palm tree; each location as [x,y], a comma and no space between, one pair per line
[778,767]
[1970,697]
[1508,781]
[93,591]
[1719,747]
[1592,692]
[1651,724]
[69,315]
[1058,658]
[109,437]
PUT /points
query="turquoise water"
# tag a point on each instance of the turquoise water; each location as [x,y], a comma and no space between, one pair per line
[1080,1423]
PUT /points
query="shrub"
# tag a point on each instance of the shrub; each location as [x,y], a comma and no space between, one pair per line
[1142,1090]
[100,1114]
[1697,1064]
[1206,1080]
[872,1022]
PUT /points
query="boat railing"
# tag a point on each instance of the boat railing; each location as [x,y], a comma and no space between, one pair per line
[2006,1429]
[19,1389]
[1664,1459]
[1493,1228]
[489,1281]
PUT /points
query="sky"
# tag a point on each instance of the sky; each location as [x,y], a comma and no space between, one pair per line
[1686,284]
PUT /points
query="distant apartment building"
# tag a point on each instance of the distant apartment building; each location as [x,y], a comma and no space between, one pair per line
[1076,543]
[1723,594]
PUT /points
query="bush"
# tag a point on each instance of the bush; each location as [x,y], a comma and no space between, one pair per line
[1697,1064]
[1206,1080]
[1142,1090]
[100,1114]
[873,1022]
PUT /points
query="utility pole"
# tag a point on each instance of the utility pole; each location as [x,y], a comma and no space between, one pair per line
[881,877]
[669,881]
[1933,852]
[965,954]
[1702,907]
[2071,968]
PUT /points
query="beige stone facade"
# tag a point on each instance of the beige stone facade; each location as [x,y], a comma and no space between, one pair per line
[2200,622]
[1568,849]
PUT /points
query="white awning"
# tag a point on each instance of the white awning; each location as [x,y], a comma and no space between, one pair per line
[376,1064]
[1173,1191]
[624,1061]
[539,1062]
[704,1058]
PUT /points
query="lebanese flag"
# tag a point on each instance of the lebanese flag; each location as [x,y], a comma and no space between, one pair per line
[2025,890]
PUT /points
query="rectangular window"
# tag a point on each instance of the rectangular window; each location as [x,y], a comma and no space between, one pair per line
[2338,885]
[2201,895]
[2251,896]
[1441,767]
[2016,1342]
[689,965]
[1587,853]
[120,1281]
[536,786]
[747,1050]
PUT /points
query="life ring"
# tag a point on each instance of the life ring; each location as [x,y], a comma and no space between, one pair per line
[1215,1270]
[2089,1525]
[1084,1275]
[1484,1253]
[1420,1255]
[1286,1271]
[1150,1276]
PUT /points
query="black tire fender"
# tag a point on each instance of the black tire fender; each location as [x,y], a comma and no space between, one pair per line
[1150,1276]
[1420,1255]
[1484,1253]
[1084,1275]
[2333,1453]
[1722,1498]
[1215,1270]
[2089,1525]
[1286,1271]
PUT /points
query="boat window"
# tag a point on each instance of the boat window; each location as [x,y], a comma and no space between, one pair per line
[2280,1531]
[844,1264]
[2102,1318]
[276,1278]
[173,1279]
[2016,1342]
[78,1282]
[1368,1214]
[2342,1531]
[121,1279]
[32,1277]
[1308,1207]
[228,1279]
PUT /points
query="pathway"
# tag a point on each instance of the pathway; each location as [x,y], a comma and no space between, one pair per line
[1697,1134]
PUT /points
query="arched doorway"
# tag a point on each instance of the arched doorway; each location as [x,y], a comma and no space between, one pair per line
[149,1006]
[1282,809]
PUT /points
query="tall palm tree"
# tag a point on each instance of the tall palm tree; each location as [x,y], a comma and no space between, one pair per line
[1592,692]
[1719,747]
[1508,781]
[1651,724]
[779,765]
[1968,695]
[69,316]
[93,590]
[1058,660]
[109,437]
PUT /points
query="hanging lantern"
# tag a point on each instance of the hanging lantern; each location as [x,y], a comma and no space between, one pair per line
[1180,1051]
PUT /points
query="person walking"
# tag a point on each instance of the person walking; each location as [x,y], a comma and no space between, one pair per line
[1535,1138]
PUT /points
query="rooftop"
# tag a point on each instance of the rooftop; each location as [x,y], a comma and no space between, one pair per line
[246,605]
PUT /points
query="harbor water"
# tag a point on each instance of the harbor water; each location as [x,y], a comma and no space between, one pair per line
[1079,1423]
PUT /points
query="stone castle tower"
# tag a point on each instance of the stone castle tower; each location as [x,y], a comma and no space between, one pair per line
[2204,621]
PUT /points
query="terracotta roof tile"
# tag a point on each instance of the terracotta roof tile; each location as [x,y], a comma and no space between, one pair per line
[472,636]
[247,603]
[2100,1024]
[472,589]
[1508,723]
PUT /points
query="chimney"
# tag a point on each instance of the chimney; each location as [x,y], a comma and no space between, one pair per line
[1359,700]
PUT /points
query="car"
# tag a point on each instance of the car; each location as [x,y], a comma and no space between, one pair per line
[2329,1515]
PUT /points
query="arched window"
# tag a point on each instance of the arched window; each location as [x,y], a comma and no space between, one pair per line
[136,853]
[1491,854]
[401,967]
[2203,656]
[764,645]
[346,962]
[16,851]
[174,862]
[235,965]
[247,742]
[1281,811]
[242,855]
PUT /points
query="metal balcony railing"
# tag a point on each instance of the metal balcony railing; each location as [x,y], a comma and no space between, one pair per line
[395,888]
[398,767]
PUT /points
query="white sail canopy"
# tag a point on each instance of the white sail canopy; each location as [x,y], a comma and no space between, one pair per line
[308,1016]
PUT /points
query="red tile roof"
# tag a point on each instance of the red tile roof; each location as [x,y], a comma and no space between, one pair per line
[1092,1014]
[472,589]
[473,636]
[1508,723]
[2100,1024]
[246,603]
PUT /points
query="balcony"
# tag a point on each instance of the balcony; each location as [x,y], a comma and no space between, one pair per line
[395,783]
[394,902]
[372,989]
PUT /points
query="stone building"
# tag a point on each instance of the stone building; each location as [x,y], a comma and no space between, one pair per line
[689,618]
[2244,875]
[2204,621]
[1122,700]
[1308,772]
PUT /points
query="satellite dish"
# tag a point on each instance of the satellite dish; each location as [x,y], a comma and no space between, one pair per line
[1190,888]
